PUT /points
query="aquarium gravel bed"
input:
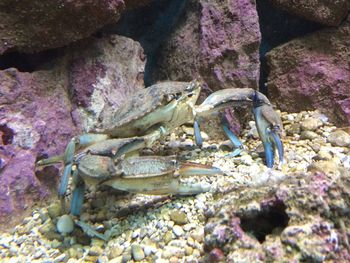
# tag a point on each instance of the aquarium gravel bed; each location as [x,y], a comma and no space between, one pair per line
[169,228]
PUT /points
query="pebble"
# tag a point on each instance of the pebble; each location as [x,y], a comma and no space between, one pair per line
[137,252]
[178,217]
[308,135]
[178,231]
[65,224]
[311,124]
[172,231]
[54,210]
[339,138]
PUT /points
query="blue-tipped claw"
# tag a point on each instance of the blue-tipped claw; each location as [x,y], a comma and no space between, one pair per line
[197,134]
[232,137]
[267,120]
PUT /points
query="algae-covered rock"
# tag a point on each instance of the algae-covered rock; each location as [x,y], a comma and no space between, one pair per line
[303,218]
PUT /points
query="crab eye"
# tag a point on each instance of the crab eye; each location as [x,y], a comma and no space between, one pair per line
[190,95]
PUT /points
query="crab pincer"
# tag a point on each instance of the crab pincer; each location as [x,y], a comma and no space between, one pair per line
[269,127]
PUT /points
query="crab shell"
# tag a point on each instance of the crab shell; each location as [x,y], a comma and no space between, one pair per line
[165,103]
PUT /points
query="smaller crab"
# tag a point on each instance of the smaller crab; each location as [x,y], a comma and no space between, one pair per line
[105,163]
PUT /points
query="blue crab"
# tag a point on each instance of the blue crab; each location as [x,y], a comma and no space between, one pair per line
[156,111]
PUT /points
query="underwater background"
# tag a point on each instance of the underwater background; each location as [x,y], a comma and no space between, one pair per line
[67,65]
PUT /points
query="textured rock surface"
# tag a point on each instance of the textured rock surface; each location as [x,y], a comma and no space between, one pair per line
[313,72]
[35,117]
[41,111]
[30,26]
[300,219]
[217,40]
[102,75]
[327,12]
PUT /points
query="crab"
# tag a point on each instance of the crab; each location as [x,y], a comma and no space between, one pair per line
[156,111]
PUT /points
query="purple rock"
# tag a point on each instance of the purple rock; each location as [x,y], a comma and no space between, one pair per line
[38,117]
[30,26]
[313,73]
[327,12]
[219,42]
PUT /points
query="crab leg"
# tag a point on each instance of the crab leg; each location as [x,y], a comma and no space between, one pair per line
[76,142]
[220,100]
[269,125]
[189,169]
[233,138]
[78,194]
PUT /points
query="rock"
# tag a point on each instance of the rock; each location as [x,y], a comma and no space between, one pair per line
[293,66]
[178,217]
[211,40]
[31,26]
[178,231]
[39,117]
[310,124]
[95,251]
[308,135]
[339,138]
[137,252]
[54,210]
[293,129]
[330,13]
[65,224]
[308,207]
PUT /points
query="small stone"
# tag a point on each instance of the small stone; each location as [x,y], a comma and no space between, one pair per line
[198,235]
[95,251]
[226,145]
[308,135]
[178,217]
[116,260]
[137,252]
[293,129]
[339,138]
[178,231]
[115,251]
[188,143]
[167,237]
[54,210]
[188,250]
[311,124]
[65,224]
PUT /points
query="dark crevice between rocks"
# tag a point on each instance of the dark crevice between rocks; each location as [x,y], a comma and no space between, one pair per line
[150,25]
[30,62]
[6,134]
[278,27]
[271,219]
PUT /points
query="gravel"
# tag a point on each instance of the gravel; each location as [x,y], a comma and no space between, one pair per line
[170,229]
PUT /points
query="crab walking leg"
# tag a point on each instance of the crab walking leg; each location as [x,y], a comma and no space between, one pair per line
[197,133]
[233,138]
[157,185]
[76,142]
[268,134]
[189,169]
[78,194]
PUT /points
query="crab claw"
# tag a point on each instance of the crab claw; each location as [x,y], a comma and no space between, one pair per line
[269,126]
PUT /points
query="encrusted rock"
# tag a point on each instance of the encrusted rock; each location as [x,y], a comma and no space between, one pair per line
[292,84]
[215,40]
[31,26]
[327,12]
